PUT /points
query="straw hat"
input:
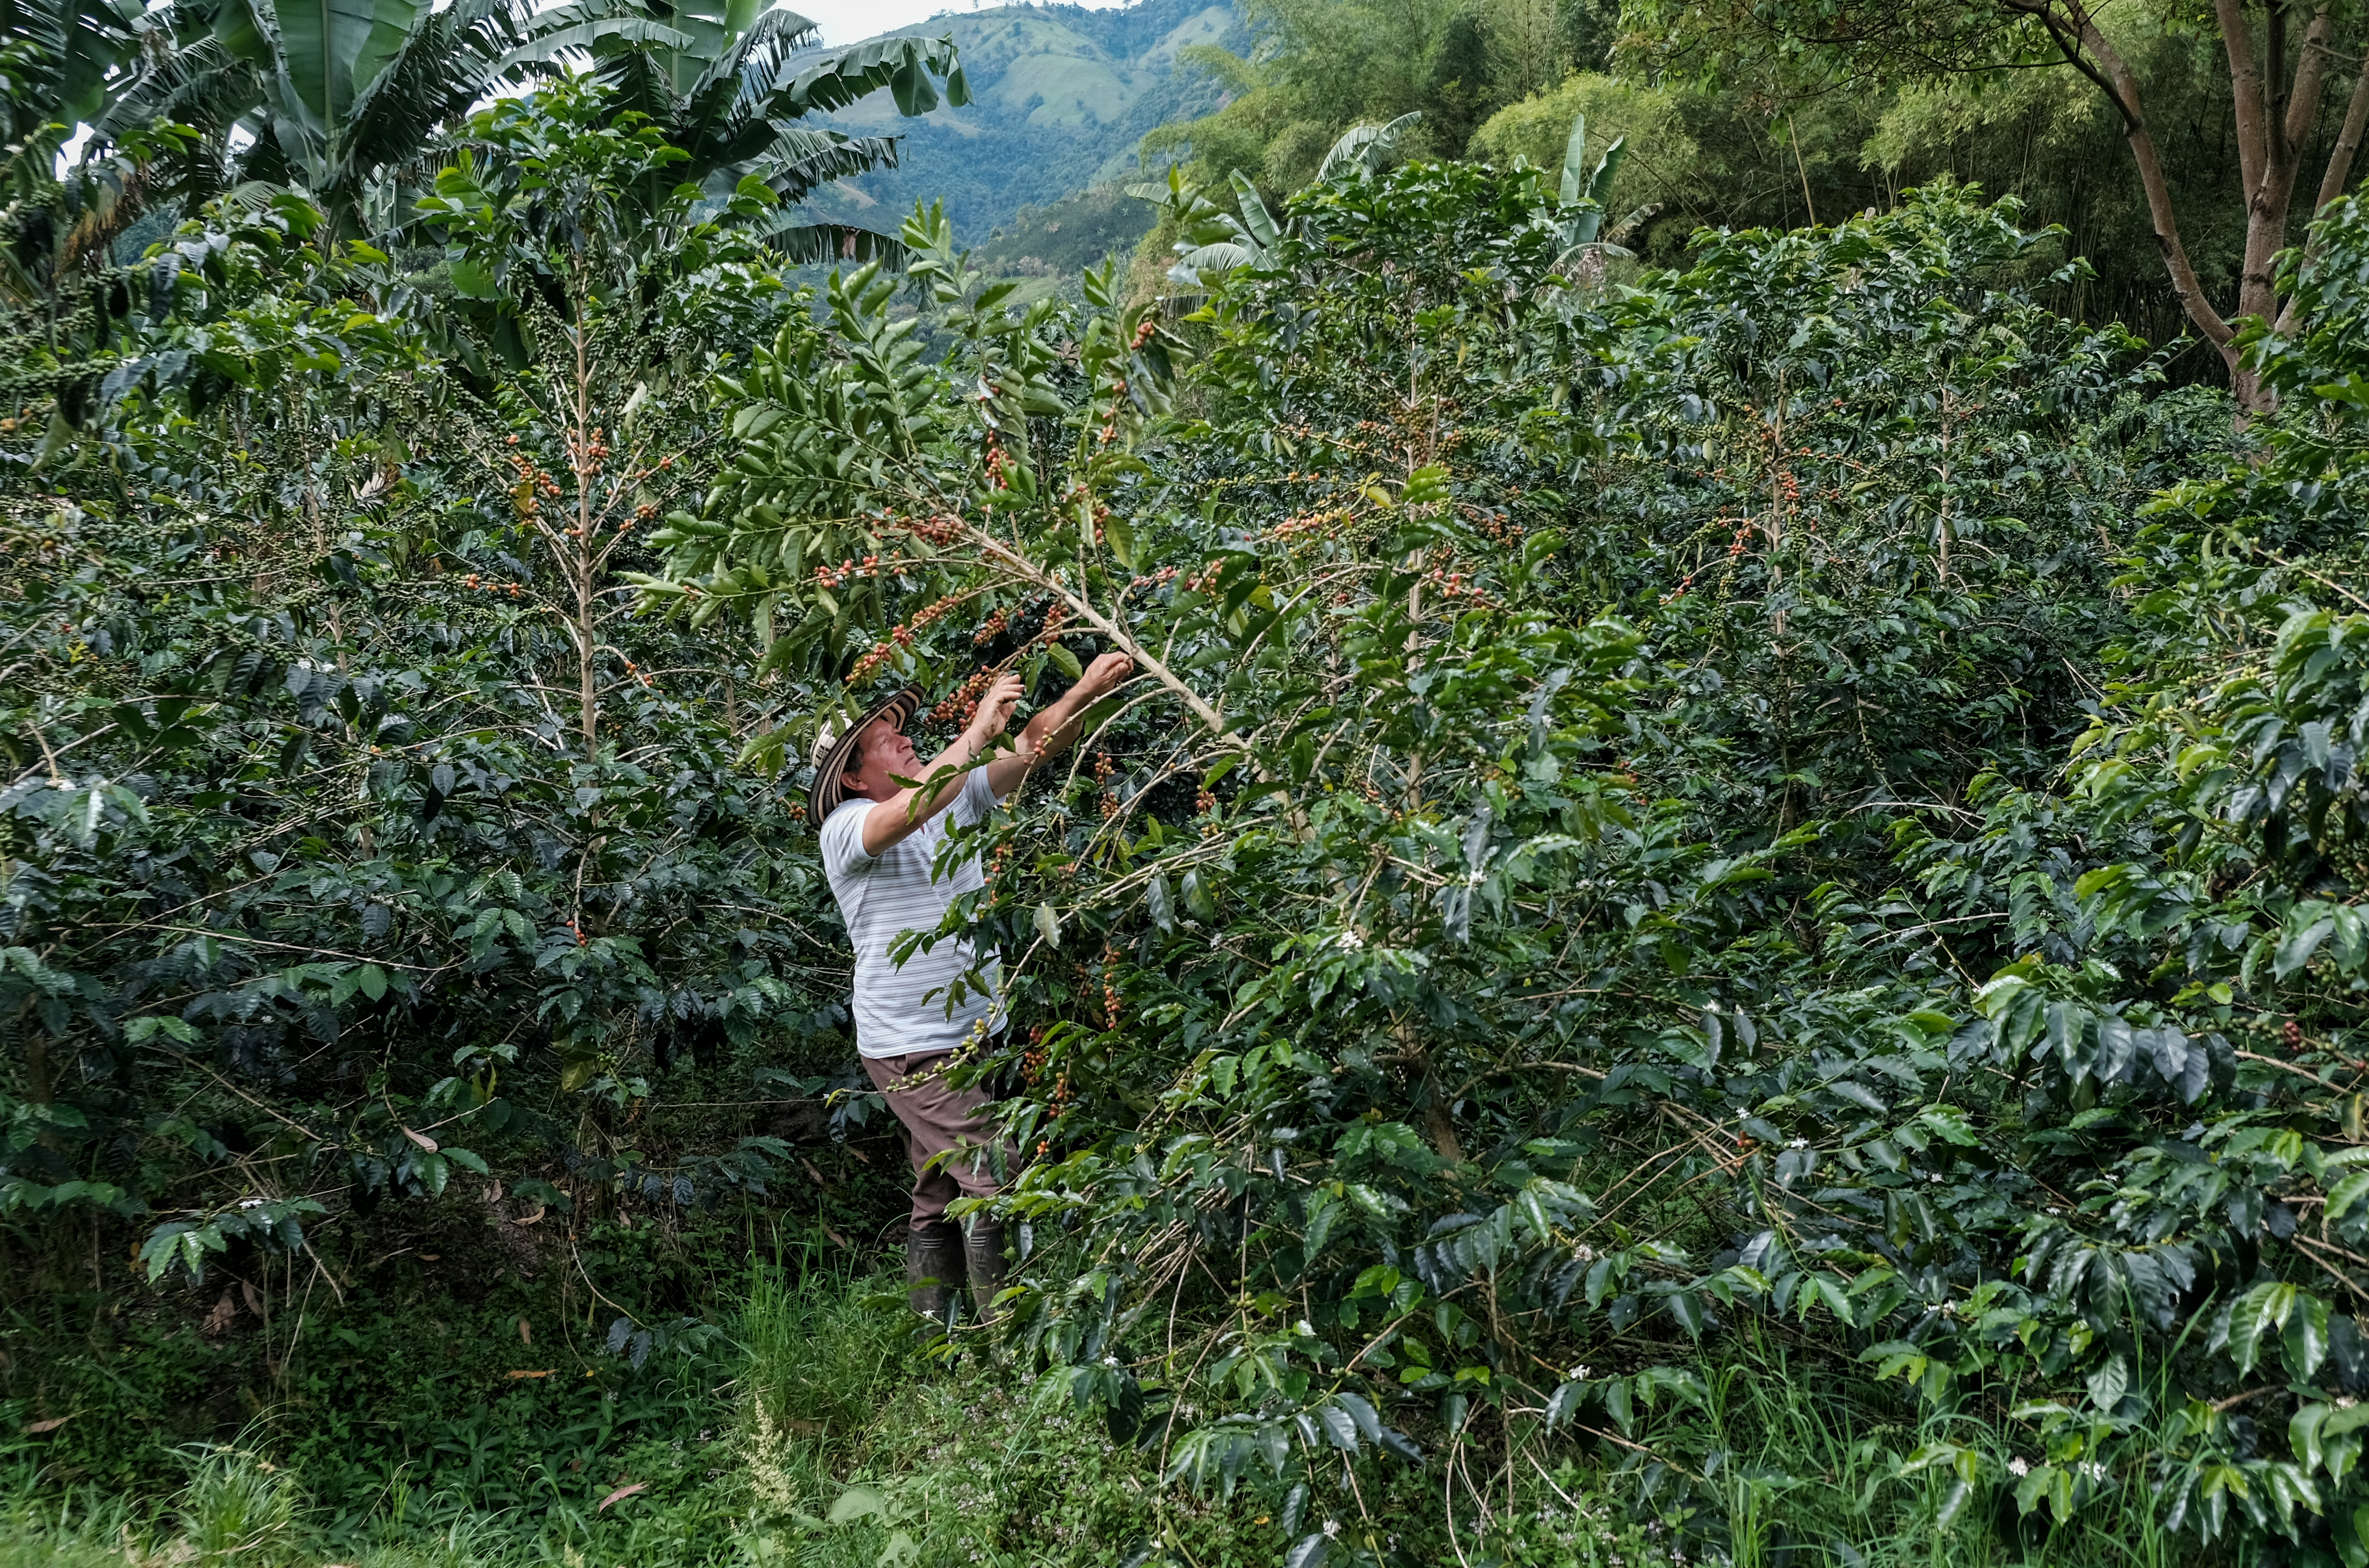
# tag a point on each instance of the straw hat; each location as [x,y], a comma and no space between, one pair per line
[835,743]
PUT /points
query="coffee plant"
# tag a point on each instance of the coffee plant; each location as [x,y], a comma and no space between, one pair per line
[1584,880]
[1796,812]
[347,787]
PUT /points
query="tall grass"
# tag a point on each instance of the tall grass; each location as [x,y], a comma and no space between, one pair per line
[817,1352]
[78,1529]
[236,1503]
[1809,1469]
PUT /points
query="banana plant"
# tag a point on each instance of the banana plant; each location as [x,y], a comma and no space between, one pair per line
[333,100]
[1365,148]
[348,94]
[724,82]
[1210,240]
[1214,242]
[1579,204]
[345,100]
[56,57]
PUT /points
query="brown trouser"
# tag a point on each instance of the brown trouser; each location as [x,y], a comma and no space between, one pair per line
[947,1131]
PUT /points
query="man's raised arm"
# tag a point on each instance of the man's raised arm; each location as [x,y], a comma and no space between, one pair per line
[1050,732]
[898,818]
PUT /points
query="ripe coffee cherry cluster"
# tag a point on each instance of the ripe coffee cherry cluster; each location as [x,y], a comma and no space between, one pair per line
[489,586]
[990,626]
[901,637]
[1206,578]
[586,455]
[933,610]
[1326,523]
[635,672]
[996,462]
[962,703]
[1118,402]
[1111,1011]
[1103,771]
[1456,585]
[943,529]
[535,481]
[1136,585]
[1737,546]
[847,571]
[1500,527]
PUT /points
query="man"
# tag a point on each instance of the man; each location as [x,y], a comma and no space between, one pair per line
[881,842]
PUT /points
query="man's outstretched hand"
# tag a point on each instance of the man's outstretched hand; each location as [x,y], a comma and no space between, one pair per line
[994,714]
[1106,672]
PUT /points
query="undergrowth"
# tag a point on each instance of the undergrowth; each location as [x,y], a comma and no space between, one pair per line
[818,1428]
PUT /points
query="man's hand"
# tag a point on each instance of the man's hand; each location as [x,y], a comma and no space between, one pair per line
[1106,672]
[994,714]
[1056,725]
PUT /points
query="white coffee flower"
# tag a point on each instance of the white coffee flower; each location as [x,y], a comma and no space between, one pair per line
[2018,1466]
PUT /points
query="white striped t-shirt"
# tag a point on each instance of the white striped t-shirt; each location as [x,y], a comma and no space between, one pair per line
[902,1011]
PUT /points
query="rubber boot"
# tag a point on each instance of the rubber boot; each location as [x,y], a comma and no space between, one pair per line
[983,1251]
[933,1267]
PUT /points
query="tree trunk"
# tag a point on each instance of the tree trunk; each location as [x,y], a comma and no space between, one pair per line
[2275,113]
[581,560]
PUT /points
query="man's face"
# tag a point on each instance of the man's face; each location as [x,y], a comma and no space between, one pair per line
[882,756]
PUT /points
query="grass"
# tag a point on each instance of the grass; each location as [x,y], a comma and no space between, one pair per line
[1799,1467]
[836,1437]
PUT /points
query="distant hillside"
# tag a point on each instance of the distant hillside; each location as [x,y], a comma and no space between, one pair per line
[1061,95]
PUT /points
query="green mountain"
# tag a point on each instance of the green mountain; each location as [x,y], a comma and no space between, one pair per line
[1060,96]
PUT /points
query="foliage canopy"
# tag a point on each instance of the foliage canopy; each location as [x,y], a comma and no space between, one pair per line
[1801,800]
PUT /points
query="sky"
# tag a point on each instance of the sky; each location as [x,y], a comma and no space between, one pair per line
[850,21]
